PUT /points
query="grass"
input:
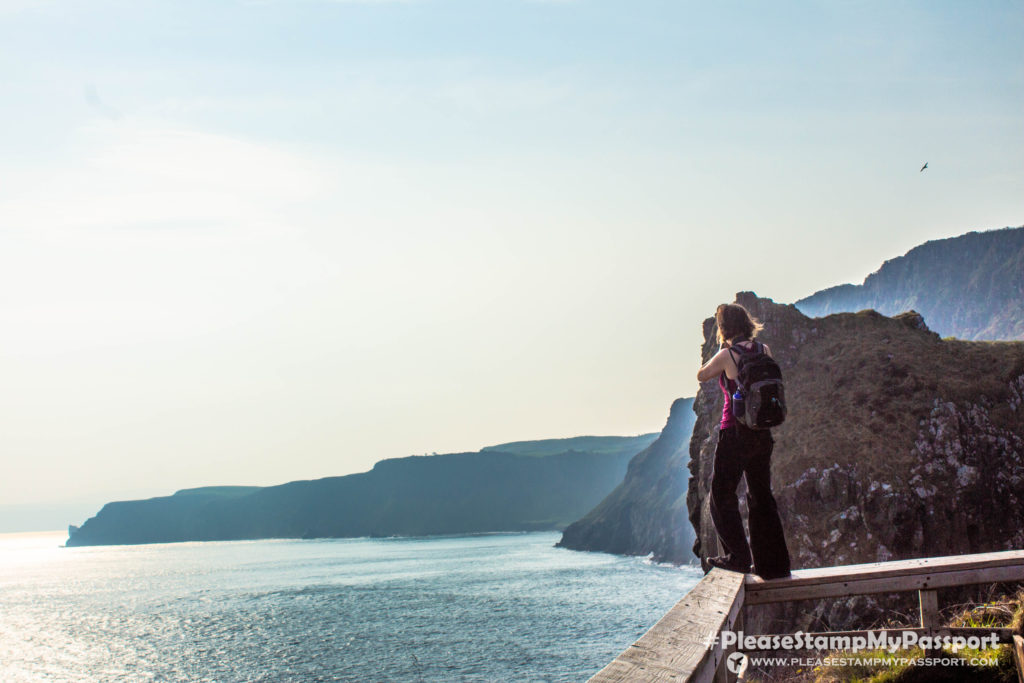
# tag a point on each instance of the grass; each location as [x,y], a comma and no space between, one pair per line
[608,445]
[863,383]
[1004,612]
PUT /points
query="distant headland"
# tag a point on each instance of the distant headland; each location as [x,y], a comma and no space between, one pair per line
[520,486]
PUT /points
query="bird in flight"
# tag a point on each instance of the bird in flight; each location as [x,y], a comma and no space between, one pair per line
[924,167]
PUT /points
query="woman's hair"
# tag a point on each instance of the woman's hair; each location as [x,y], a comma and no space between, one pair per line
[734,321]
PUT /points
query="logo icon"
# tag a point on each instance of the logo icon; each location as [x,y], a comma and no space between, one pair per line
[736,662]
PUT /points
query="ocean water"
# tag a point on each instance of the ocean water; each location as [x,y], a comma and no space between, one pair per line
[494,607]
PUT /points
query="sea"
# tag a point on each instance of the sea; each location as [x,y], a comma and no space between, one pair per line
[491,607]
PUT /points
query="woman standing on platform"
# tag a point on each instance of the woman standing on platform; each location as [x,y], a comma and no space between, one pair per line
[742,451]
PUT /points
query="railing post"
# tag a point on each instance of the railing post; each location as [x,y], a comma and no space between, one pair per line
[929,601]
[722,673]
[678,646]
[1018,656]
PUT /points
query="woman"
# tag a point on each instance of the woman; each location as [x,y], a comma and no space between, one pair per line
[742,451]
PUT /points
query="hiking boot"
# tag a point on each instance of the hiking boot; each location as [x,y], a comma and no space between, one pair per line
[768,576]
[721,562]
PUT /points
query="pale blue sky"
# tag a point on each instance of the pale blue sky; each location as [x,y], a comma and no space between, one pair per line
[250,242]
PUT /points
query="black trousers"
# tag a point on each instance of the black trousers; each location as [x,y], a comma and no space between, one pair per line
[747,452]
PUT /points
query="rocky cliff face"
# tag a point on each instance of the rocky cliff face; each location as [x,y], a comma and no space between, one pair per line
[647,512]
[969,287]
[898,444]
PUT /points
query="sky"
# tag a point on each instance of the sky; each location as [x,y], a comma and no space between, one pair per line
[257,241]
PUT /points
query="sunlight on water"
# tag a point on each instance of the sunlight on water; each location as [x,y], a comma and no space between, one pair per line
[32,548]
[480,608]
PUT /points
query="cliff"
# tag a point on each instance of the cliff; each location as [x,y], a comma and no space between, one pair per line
[647,512]
[898,444]
[969,287]
[544,485]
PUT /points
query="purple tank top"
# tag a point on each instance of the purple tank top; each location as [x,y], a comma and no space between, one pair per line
[728,387]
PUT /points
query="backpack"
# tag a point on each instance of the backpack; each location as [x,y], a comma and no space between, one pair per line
[760,384]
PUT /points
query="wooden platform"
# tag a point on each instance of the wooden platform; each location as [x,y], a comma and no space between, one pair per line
[676,648]
[927,573]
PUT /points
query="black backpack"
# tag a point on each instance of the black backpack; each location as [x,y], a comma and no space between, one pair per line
[760,384]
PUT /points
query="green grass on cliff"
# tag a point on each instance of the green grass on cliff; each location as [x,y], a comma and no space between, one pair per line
[859,385]
[223,491]
[608,445]
[1005,612]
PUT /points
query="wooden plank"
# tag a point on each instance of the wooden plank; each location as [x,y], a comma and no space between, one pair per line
[1004,634]
[894,568]
[706,670]
[1018,657]
[928,602]
[837,584]
[738,625]
[721,673]
[676,648]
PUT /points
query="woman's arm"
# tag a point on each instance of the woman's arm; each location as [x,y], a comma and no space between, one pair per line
[714,367]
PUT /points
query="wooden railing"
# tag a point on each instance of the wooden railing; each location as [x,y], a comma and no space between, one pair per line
[677,647]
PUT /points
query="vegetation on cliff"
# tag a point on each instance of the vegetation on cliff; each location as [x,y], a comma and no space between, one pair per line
[898,444]
[543,485]
[1003,611]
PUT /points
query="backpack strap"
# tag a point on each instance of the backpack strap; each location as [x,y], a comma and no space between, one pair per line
[745,354]
[742,352]
[756,349]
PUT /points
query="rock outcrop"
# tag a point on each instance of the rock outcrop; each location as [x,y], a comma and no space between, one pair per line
[969,287]
[898,444]
[646,513]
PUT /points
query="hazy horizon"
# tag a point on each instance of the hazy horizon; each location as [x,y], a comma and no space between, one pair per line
[252,242]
